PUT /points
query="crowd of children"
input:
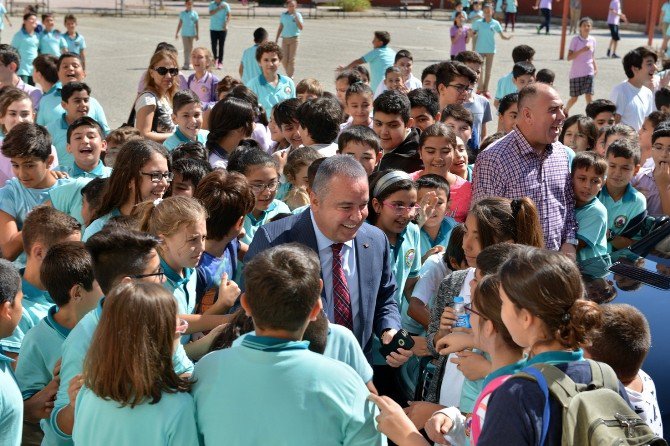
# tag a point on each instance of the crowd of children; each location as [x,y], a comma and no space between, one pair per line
[127,307]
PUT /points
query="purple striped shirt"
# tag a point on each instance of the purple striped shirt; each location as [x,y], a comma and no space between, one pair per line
[511,168]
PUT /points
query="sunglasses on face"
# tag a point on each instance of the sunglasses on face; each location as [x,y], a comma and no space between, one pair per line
[163,71]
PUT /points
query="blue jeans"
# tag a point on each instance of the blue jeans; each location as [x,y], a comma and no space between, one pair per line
[218,39]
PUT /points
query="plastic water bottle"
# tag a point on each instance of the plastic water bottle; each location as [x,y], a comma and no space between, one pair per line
[462,318]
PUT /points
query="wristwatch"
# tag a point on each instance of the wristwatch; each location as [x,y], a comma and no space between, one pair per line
[572,241]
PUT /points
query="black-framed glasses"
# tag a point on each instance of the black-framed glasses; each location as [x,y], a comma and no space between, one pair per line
[259,188]
[163,71]
[468,308]
[462,88]
[160,273]
[156,177]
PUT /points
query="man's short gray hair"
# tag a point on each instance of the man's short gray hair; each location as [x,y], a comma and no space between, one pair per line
[337,165]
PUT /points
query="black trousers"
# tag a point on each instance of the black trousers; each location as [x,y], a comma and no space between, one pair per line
[218,39]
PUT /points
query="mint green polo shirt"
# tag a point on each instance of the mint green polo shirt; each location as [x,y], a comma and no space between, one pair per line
[36,304]
[11,404]
[40,351]
[50,109]
[75,44]
[74,171]
[171,421]
[183,289]
[217,22]
[406,265]
[631,206]
[486,33]
[97,224]
[379,60]
[178,138]
[251,69]
[58,131]
[67,198]
[592,229]
[322,400]
[269,96]
[26,45]
[52,42]
[188,22]
[290,28]
[442,238]
[505,86]
[251,223]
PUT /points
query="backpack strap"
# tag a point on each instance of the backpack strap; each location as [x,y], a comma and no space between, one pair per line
[603,376]
[536,375]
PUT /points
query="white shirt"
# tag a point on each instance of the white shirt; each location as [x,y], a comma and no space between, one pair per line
[645,403]
[431,274]
[326,150]
[412,83]
[633,104]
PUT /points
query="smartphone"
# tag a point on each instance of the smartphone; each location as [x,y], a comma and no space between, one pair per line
[402,339]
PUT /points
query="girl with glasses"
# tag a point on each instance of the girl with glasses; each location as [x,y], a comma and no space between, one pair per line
[126,389]
[142,173]
[180,224]
[153,108]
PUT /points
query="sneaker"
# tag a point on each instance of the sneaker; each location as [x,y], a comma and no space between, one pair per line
[615,56]
[608,52]
[219,65]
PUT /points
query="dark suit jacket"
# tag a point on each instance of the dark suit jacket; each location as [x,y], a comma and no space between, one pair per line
[378,309]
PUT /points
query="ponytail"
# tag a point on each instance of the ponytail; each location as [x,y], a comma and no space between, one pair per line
[582,318]
[527,222]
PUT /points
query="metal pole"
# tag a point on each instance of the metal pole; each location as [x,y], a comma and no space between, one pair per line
[564,30]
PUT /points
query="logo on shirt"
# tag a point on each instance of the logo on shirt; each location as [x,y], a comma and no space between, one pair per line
[409,258]
[287,89]
[620,221]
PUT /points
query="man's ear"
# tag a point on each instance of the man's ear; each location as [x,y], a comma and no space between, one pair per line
[317,308]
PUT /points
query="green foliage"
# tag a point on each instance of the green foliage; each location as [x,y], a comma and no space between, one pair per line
[354,5]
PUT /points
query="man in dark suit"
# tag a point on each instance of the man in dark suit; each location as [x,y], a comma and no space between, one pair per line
[358,282]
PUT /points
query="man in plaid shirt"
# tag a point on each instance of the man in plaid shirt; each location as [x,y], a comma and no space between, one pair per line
[530,162]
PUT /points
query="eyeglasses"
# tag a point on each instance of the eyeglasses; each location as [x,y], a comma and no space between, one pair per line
[468,308]
[461,88]
[156,177]
[660,148]
[259,188]
[163,71]
[160,273]
[182,326]
[401,210]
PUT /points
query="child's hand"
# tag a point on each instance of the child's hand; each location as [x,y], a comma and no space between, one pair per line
[427,207]
[56,371]
[228,292]
[431,251]
[57,174]
[420,411]
[392,421]
[420,346]
[448,319]
[437,427]
[281,159]
[662,176]
[454,342]
[73,389]
[624,18]
[473,365]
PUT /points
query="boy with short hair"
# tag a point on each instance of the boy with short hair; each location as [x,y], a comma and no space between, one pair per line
[45,74]
[380,58]
[508,111]
[588,175]
[51,40]
[625,325]
[249,68]
[429,77]
[523,73]
[662,99]
[44,227]
[520,53]
[115,139]
[309,89]
[26,41]
[626,207]
[602,112]
[187,114]
[67,275]
[545,76]
[392,81]
[75,102]
[479,105]
[394,127]
[633,99]
[75,41]
[358,105]
[188,173]
[85,145]
[363,144]
[424,107]
[650,123]
[454,83]
[404,61]
[319,124]
[460,120]
[286,117]
[189,26]
[11,422]
[270,86]
[654,181]
[9,64]
[344,415]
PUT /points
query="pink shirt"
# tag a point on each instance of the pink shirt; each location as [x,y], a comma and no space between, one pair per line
[458,45]
[582,65]
[613,19]
[460,195]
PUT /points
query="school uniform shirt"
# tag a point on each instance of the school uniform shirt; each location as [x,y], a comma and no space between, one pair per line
[183,289]
[178,138]
[67,198]
[510,6]
[505,86]
[36,304]
[644,182]
[26,45]
[204,88]
[269,95]
[592,229]
[210,269]
[379,60]
[17,200]
[75,44]
[406,265]
[74,171]
[626,212]
[433,270]
[58,131]
[460,195]
[3,11]
[583,64]
[290,25]
[6,172]
[412,83]
[188,21]
[666,12]
[217,22]
[645,403]
[480,107]
[324,401]
[52,42]
[442,238]
[251,223]
[343,346]
[515,409]
[50,109]
[97,224]
[405,157]
[171,421]
[632,103]
[251,69]
[613,18]
[74,351]
[459,44]
[486,33]
[218,157]
[40,351]
[475,15]
[326,150]
[11,404]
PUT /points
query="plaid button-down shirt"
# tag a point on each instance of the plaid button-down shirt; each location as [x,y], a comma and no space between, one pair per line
[511,168]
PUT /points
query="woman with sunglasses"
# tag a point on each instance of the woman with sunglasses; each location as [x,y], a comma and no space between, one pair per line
[153,107]
[142,173]
[132,394]
[180,224]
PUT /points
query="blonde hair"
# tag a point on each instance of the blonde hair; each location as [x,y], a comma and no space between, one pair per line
[168,215]
[155,60]
[208,55]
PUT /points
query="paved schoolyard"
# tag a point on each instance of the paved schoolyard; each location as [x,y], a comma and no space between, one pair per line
[119,50]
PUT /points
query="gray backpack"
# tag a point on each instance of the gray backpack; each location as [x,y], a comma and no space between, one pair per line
[593,414]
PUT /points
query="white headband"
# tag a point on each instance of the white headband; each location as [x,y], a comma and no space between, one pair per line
[388,179]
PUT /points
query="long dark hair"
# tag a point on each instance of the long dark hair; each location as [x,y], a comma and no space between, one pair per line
[226,116]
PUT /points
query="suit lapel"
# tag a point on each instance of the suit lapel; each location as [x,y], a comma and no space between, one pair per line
[364,265]
[303,232]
